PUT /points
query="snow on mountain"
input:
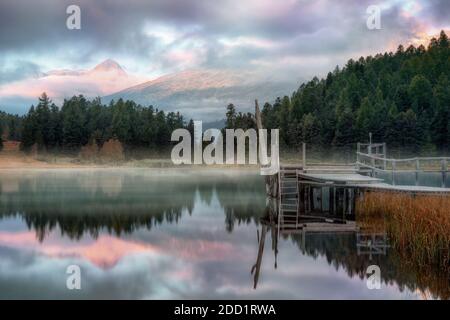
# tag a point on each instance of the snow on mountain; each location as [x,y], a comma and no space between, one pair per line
[203,94]
[109,66]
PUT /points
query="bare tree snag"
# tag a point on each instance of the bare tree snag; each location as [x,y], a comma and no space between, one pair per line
[271,181]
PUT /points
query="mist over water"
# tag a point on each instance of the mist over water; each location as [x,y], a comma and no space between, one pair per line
[148,233]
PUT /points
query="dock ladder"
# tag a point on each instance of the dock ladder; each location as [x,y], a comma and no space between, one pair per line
[289,204]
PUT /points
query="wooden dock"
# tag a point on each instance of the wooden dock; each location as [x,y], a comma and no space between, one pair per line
[322,198]
[363,173]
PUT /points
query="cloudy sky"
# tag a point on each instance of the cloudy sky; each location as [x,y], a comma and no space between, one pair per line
[284,39]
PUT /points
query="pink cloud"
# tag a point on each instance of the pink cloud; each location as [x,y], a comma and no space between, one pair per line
[106,251]
[62,84]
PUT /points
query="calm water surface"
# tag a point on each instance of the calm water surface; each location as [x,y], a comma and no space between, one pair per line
[149,234]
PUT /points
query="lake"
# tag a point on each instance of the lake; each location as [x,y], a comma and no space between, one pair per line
[174,233]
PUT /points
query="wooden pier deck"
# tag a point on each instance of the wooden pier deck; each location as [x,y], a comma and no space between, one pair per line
[357,180]
[338,178]
[323,199]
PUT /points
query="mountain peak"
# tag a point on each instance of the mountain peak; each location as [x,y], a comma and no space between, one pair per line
[109,65]
[202,93]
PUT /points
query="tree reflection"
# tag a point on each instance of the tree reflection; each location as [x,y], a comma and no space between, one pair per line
[121,203]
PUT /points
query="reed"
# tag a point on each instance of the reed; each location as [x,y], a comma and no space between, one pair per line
[418,226]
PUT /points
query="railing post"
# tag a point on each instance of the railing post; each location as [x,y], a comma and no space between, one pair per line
[444,171]
[393,172]
[372,160]
[358,149]
[384,155]
[304,155]
[417,171]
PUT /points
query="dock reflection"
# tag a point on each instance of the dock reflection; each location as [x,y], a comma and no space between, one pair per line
[347,245]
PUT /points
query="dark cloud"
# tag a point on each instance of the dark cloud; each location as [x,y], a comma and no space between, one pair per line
[114,24]
[18,70]
[266,36]
[438,11]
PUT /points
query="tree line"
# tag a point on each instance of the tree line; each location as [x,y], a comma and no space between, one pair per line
[80,121]
[402,98]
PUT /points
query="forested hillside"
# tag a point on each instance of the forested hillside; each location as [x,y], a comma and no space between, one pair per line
[403,98]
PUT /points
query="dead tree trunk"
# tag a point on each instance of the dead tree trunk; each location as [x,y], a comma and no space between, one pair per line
[271,181]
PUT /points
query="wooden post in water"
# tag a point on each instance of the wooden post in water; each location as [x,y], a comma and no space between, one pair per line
[256,268]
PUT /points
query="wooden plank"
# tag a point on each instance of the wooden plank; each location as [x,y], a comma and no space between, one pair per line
[330,227]
[338,178]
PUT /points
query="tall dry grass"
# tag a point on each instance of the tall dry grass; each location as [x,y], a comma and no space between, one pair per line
[418,226]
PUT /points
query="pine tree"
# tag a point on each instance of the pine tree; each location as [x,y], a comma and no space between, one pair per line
[162,133]
[441,119]
[310,130]
[28,131]
[230,116]
[409,135]
[284,117]
[74,129]
[42,122]
[345,133]
[420,91]
[391,133]
[443,40]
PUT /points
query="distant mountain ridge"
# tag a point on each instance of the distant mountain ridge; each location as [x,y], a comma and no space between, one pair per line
[202,94]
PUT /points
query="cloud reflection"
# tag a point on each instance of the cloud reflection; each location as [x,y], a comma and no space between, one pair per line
[206,253]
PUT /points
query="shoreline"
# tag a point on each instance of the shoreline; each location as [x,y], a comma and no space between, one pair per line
[15,162]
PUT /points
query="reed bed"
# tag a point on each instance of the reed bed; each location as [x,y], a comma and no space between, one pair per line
[417,226]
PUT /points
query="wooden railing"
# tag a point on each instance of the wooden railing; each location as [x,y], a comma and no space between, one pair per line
[380,163]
